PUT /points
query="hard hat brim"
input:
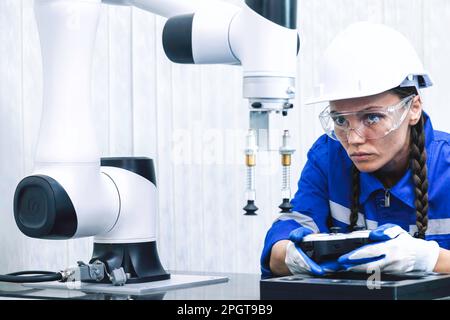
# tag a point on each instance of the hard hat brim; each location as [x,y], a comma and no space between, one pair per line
[425,83]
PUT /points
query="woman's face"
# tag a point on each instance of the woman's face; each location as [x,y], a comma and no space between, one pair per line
[390,152]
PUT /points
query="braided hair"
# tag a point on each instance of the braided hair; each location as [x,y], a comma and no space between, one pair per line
[355,197]
[418,166]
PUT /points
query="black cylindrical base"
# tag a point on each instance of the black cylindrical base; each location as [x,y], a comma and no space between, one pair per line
[139,260]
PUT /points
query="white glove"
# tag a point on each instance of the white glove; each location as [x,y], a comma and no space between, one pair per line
[298,262]
[395,250]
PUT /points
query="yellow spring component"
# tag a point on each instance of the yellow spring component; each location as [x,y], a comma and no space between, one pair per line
[250,160]
[286,160]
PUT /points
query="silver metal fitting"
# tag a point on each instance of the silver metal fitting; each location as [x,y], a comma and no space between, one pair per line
[251,146]
[286,147]
[118,277]
[84,272]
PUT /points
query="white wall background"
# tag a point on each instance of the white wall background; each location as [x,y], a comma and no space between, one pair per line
[191,120]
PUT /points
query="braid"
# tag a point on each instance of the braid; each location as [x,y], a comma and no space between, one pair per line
[355,198]
[418,158]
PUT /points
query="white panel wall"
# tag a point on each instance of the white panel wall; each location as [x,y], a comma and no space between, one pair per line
[191,120]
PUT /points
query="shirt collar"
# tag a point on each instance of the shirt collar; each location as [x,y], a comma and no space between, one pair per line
[403,189]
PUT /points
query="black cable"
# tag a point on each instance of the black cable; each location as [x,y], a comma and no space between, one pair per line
[38,276]
[20,273]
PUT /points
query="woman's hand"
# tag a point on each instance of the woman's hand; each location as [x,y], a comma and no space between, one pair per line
[394,250]
[298,262]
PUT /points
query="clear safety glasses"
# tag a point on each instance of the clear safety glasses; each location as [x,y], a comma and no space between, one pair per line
[370,123]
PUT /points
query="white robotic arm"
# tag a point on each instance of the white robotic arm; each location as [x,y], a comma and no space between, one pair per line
[73,193]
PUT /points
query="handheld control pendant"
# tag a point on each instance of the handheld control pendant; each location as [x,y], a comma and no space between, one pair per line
[322,247]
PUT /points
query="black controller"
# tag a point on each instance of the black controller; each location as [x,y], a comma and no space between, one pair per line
[322,247]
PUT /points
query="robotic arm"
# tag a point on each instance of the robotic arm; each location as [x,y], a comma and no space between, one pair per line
[73,193]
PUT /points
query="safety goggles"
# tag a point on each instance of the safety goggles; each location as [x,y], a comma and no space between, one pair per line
[370,123]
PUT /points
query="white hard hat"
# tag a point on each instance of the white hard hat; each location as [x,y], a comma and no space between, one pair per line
[367,59]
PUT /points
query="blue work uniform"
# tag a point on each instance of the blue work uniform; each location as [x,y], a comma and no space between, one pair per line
[324,189]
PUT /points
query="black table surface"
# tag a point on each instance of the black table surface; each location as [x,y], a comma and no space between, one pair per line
[240,286]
